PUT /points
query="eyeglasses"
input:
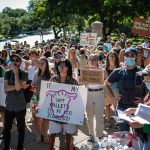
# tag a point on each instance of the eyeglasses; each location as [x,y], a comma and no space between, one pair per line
[15,60]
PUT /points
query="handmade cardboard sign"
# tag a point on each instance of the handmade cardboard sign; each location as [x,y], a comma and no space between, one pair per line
[141,27]
[92,75]
[87,39]
[62,102]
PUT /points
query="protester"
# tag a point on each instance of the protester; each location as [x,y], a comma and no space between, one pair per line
[14,83]
[95,105]
[2,96]
[128,44]
[130,94]
[130,111]
[140,57]
[83,59]
[43,73]
[117,48]
[146,47]
[112,62]
[64,75]
[72,56]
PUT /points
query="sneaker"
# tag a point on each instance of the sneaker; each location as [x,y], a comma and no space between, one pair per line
[38,138]
[46,139]
[91,139]
[107,125]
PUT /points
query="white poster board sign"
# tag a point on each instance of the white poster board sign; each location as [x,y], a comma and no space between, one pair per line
[87,39]
[62,102]
[2,93]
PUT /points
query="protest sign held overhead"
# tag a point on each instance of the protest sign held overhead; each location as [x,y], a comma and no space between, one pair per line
[141,27]
[87,39]
[62,102]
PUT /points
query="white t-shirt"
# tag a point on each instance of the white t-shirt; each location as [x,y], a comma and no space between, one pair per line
[31,71]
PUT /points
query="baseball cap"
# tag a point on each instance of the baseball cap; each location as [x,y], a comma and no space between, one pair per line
[131,50]
[57,53]
[15,55]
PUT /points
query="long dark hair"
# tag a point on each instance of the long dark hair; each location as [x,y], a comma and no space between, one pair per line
[116,60]
[47,73]
[69,66]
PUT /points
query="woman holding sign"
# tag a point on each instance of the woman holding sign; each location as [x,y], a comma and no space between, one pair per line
[64,75]
[95,105]
[43,73]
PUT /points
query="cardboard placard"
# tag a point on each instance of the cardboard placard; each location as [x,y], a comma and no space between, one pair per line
[87,39]
[141,27]
[62,102]
[92,75]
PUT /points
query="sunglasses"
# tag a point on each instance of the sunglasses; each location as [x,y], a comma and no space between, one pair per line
[131,55]
[41,63]
[62,66]
[15,60]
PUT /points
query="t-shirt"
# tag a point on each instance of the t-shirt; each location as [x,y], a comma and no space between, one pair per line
[2,72]
[15,100]
[127,86]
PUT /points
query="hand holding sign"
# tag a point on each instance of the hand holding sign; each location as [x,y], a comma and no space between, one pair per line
[62,102]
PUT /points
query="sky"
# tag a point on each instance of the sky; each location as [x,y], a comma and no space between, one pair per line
[13,4]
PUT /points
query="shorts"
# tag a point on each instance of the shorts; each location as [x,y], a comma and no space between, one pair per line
[55,127]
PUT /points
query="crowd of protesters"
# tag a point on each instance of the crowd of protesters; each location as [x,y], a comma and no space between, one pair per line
[125,84]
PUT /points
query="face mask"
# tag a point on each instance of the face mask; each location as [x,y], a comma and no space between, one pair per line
[130,61]
[147,85]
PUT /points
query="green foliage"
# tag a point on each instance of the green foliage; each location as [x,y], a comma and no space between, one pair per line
[66,15]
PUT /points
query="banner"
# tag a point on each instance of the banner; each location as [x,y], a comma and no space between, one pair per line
[62,102]
[141,27]
[87,39]
[92,75]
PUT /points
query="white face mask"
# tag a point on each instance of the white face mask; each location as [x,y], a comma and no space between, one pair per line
[130,61]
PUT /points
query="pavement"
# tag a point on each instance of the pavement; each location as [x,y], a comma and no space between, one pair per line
[79,138]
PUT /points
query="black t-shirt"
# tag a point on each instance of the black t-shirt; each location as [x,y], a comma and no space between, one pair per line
[127,85]
[15,100]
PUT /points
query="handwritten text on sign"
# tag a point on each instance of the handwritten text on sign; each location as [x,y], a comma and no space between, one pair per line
[141,27]
[92,75]
[62,102]
[87,39]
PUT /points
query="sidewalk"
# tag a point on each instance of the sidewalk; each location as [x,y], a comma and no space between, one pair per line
[78,139]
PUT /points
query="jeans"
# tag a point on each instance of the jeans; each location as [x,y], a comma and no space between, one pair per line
[9,118]
[123,126]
